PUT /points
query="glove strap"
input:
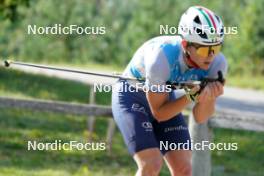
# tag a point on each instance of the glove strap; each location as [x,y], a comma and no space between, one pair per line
[191,96]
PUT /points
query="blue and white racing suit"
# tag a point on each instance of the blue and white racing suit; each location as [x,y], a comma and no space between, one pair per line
[158,60]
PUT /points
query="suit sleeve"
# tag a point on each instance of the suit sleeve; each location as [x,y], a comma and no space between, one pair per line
[156,66]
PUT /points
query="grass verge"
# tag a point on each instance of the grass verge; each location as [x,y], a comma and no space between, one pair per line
[19,126]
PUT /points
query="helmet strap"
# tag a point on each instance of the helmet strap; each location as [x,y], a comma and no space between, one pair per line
[189,62]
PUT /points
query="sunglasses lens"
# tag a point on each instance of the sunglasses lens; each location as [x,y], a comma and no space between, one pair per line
[203,51]
[216,49]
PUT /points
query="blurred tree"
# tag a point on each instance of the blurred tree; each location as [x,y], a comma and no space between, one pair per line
[128,24]
[8,8]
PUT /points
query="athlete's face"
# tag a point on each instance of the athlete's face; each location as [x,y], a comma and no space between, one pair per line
[203,55]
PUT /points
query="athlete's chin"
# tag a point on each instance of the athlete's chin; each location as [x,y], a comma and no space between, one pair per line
[205,66]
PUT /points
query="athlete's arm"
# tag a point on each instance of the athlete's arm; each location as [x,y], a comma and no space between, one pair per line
[162,108]
[157,73]
[205,106]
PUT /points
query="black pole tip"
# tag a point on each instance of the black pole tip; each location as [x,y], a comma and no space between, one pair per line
[7,63]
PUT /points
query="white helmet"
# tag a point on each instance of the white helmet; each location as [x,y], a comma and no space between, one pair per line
[200,25]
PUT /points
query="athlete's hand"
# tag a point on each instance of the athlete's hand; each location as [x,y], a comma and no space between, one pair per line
[211,92]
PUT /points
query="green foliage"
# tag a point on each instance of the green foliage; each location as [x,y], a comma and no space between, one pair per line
[8,9]
[128,24]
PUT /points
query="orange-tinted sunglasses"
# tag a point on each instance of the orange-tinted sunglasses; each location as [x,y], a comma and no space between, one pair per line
[204,51]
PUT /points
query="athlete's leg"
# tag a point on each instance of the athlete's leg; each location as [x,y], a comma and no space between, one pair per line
[175,143]
[149,162]
[132,117]
[175,131]
[179,162]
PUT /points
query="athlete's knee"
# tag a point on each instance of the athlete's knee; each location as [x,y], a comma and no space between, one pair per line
[151,167]
[149,163]
[182,169]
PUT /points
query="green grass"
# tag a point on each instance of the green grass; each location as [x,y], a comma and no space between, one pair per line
[247,160]
[23,85]
[247,81]
[19,126]
[93,66]
[86,66]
